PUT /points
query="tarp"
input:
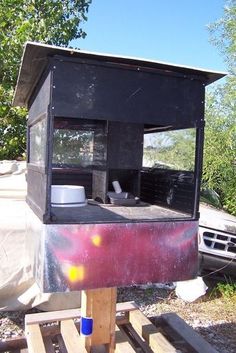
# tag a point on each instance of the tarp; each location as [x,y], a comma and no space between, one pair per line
[18,290]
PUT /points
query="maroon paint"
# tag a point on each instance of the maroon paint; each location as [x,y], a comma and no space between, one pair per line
[127,253]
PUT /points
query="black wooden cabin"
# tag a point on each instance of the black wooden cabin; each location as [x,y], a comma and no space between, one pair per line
[88,118]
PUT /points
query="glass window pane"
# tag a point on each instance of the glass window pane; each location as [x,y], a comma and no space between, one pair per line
[38,143]
[170,150]
[73,147]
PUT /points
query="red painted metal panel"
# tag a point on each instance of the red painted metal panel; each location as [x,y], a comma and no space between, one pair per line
[107,255]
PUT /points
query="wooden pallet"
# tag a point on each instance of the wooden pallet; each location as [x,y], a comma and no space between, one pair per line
[58,331]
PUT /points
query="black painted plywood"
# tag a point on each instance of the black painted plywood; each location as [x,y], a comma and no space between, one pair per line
[41,101]
[126,95]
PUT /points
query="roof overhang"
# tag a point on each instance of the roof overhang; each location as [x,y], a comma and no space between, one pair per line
[35,59]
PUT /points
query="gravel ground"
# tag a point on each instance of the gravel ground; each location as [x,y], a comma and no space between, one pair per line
[213,318]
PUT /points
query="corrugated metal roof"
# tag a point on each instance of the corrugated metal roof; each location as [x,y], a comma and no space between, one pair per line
[35,58]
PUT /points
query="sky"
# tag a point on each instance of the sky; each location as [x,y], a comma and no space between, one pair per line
[173,31]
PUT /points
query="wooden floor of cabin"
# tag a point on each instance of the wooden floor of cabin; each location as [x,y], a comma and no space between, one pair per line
[95,212]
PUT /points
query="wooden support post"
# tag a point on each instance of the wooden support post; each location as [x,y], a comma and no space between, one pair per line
[100,304]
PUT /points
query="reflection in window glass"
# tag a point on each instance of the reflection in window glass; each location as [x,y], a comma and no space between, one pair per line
[73,147]
[170,150]
[38,143]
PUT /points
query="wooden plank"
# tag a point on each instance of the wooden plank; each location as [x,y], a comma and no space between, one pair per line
[140,341]
[61,344]
[122,319]
[48,344]
[34,339]
[52,316]
[13,343]
[122,342]
[160,344]
[142,325]
[100,304]
[126,306]
[198,343]
[111,348]
[51,330]
[59,315]
[99,349]
[71,337]
[149,332]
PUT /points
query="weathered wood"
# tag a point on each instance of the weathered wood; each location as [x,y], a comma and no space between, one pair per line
[61,344]
[187,333]
[122,319]
[71,337]
[160,344]
[140,342]
[48,345]
[170,334]
[149,332]
[46,317]
[122,342]
[52,316]
[50,330]
[71,314]
[126,307]
[142,325]
[35,339]
[99,349]
[13,344]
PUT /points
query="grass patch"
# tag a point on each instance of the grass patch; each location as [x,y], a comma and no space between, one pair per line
[225,290]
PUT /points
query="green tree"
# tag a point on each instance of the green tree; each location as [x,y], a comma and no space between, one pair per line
[223,34]
[219,172]
[46,21]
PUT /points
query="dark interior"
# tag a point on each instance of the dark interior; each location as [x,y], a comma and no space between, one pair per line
[173,197]
[116,155]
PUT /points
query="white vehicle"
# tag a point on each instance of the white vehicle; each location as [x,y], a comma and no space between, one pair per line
[217,241]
